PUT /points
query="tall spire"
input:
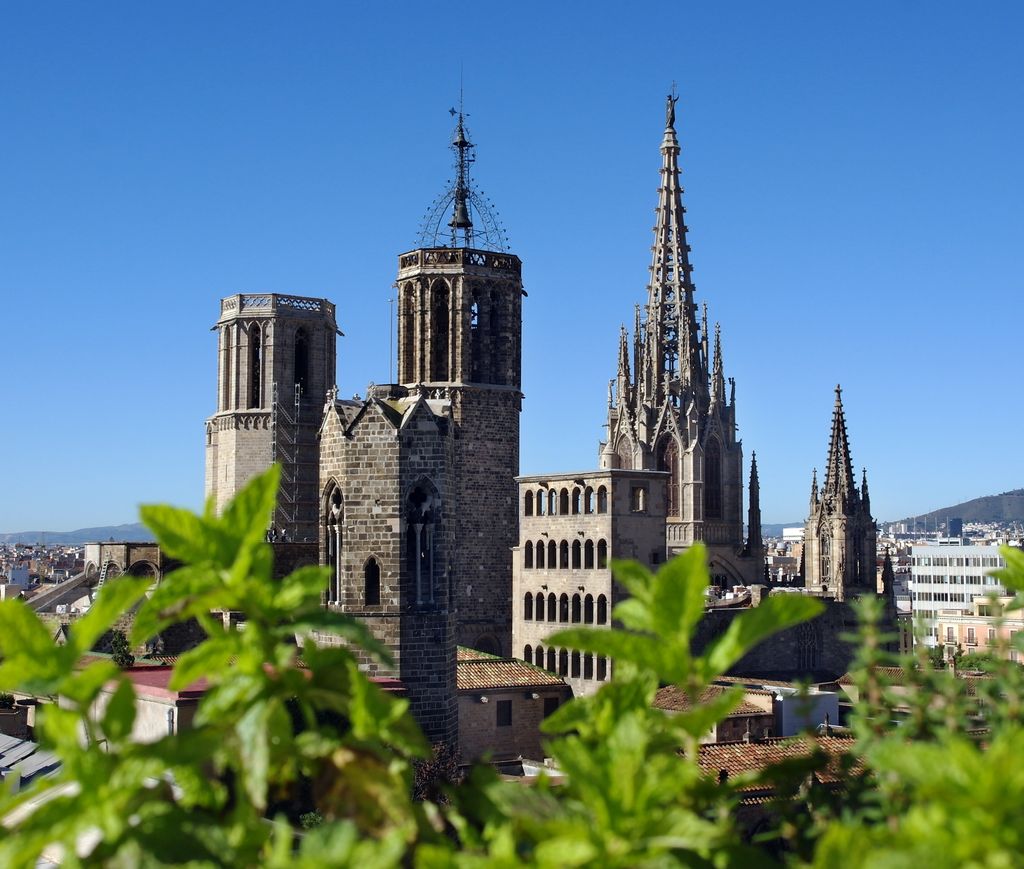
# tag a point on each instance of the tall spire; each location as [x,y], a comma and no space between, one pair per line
[754,542]
[814,489]
[673,342]
[839,469]
[623,379]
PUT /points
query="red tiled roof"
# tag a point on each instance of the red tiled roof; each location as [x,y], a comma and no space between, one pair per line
[479,671]
[672,699]
[744,757]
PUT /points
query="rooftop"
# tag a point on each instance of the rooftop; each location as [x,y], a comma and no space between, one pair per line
[479,671]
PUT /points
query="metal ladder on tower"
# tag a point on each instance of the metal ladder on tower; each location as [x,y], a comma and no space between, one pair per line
[103,574]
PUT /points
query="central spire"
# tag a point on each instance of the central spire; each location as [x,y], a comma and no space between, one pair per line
[673,342]
[839,467]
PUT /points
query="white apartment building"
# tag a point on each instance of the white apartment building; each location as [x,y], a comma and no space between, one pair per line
[945,578]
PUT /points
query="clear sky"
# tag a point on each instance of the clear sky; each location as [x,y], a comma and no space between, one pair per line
[853,179]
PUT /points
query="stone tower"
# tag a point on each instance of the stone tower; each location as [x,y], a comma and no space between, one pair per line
[388,533]
[460,341]
[839,537]
[669,408]
[275,363]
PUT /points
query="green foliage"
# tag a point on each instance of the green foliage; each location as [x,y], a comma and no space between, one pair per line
[121,650]
[291,763]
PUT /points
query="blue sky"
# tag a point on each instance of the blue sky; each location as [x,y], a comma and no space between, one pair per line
[853,181]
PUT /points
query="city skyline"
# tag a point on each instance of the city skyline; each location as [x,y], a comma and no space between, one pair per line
[849,182]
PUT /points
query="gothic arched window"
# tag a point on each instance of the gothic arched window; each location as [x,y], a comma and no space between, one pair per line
[421,515]
[255,367]
[552,555]
[588,610]
[563,608]
[528,504]
[602,609]
[528,554]
[577,614]
[334,515]
[371,583]
[668,460]
[563,555]
[602,554]
[540,554]
[602,500]
[528,607]
[588,555]
[301,361]
[439,332]
[713,480]
[407,334]
[563,502]
[577,500]
[540,607]
[577,551]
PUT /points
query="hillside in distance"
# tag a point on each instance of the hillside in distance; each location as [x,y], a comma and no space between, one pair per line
[134,532]
[1004,508]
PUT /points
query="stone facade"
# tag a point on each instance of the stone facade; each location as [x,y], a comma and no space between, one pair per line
[460,339]
[275,362]
[840,548]
[570,527]
[669,408]
[388,533]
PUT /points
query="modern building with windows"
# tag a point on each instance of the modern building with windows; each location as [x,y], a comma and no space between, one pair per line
[946,577]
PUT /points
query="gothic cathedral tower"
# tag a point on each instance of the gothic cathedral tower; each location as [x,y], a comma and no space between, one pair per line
[460,339]
[670,409]
[275,363]
[839,539]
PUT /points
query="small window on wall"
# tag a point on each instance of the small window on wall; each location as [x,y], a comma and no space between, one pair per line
[638,499]
[504,713]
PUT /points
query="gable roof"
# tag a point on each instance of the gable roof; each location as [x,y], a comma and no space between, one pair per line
[671,699]
[480,671]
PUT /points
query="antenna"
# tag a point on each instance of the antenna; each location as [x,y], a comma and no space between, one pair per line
[391,338]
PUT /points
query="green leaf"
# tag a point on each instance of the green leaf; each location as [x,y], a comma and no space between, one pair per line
[745,631]
[180,533]
[247,517]
[341,625]
[114,599]
[84,686]
[119,717]
[211,658]
[302,587]
[699,720]
[183,593]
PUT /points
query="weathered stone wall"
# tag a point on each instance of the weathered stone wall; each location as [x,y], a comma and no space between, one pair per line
[268,340]
[479,731]
[814,650]
[486,464]
[394,445]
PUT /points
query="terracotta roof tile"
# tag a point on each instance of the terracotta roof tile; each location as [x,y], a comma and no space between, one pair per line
[745,757]
[479,671]
[672,699]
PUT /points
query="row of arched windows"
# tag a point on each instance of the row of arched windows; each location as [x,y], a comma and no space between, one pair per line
[563,609]
[563,556]
[565,663]
[562,502]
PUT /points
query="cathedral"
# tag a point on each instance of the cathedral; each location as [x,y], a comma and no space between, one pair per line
[411,494]
[670,408]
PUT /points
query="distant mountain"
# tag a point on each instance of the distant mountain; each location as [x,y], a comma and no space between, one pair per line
[1004,508]
[135,532]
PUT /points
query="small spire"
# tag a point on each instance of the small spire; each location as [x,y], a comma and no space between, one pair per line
[754,542]
[814,488]
[718,376]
